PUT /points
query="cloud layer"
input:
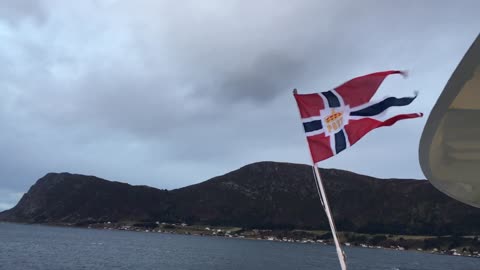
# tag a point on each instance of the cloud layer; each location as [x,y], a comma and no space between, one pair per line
[169,94]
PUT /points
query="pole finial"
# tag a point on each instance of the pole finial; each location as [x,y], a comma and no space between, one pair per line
[295,91]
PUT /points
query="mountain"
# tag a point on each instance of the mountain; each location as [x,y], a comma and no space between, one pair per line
[268,195]
[67,198]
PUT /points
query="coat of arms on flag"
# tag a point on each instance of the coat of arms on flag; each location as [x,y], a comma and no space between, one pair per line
[336,119]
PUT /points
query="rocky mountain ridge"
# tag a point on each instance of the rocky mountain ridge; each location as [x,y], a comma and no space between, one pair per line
[264,195]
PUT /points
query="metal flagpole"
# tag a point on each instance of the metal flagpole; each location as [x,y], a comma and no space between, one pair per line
[323,199]
[326,207]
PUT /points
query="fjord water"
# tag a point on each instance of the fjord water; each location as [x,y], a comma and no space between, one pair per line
[45,247]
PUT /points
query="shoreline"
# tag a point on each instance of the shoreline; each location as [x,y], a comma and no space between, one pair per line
[370,241]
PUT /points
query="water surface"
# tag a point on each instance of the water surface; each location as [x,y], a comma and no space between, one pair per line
[45,247]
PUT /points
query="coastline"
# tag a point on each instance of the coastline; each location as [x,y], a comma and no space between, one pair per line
[349,239]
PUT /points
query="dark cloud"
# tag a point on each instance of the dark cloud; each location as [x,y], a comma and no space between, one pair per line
[15,11]
[268,75]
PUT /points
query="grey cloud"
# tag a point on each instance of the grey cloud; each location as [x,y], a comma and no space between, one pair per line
[307,45]
[15,11]
[268,75]
[168,95]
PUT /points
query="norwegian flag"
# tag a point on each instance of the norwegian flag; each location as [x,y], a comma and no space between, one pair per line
[335,120]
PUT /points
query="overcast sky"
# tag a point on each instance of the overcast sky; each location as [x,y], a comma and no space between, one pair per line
[171,93]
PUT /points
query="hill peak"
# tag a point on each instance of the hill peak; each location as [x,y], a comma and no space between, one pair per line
[259,195]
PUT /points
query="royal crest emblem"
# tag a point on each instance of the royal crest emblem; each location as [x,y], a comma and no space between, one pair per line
[335,119]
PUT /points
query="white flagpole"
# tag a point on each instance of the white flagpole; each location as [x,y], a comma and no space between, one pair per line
[324,201]
[340,253]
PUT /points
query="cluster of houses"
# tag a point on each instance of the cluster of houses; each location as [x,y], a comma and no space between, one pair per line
[184,228]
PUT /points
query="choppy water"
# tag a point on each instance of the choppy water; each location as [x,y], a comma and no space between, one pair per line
[43,247]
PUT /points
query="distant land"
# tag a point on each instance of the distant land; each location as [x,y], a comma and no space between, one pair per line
[263,195]
[264,200]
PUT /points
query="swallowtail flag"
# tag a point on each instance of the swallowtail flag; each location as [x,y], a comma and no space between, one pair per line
[336,119]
